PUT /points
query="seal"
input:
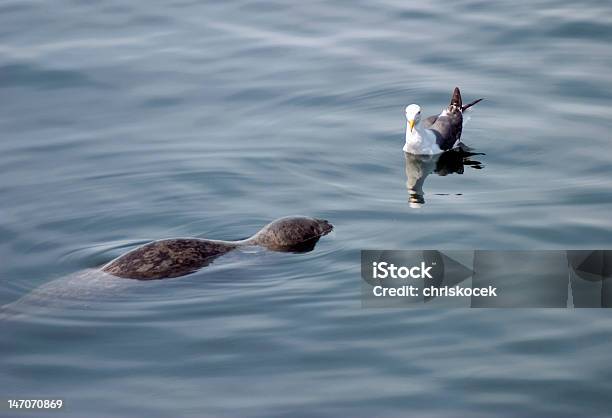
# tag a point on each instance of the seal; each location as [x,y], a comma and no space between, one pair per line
[177,257]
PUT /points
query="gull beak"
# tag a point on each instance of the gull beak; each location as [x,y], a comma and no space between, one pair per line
[411,124]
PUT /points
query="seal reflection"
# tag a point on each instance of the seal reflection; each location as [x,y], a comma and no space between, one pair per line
[418,167]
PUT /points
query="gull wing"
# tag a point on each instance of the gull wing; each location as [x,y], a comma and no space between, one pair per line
[447,127]
[430,121]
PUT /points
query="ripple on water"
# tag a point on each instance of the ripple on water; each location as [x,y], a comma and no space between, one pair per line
[124,123]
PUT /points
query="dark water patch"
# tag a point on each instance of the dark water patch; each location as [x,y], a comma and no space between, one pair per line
[583,89]
[34,76]
[588,30]
[414,14]
[162,102]
[14,7]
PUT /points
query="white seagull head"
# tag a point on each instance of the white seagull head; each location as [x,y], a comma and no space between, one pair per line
[413,115]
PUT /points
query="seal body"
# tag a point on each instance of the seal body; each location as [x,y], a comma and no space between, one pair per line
[167,258]
[180,256]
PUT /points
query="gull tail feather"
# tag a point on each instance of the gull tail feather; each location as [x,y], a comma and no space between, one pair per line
[464,108]
[456,99]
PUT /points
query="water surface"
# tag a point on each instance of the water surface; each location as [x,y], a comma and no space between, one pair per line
[123,123]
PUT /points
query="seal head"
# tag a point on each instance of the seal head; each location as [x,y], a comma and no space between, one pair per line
[292,234]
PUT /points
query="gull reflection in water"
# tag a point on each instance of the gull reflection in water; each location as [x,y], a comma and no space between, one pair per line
[418,167]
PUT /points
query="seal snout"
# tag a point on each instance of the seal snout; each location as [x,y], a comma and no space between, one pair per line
[325,226]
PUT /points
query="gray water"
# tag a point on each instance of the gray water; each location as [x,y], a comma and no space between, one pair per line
[124,122]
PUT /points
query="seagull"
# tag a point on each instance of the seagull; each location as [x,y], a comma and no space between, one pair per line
[437,133]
